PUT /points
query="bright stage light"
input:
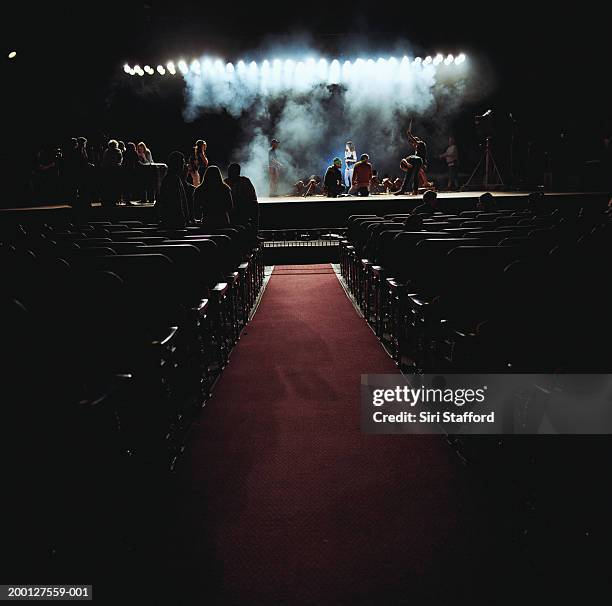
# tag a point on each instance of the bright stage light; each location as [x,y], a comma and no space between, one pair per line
[127,69]
[334,74]
[322,69]
[286,73]
[346,70]
[12,54]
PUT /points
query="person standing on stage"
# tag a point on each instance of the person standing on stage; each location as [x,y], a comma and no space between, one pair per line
[362,175]
[274,167]
[451,155]
[332,181]
[413,165]
[199,153]
[350,158]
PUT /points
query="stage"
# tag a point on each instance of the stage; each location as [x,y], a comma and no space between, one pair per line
[292,212]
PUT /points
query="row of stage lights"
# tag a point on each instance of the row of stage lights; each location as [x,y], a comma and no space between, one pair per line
[207,65]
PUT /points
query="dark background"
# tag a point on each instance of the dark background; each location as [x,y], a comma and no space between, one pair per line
[548,69]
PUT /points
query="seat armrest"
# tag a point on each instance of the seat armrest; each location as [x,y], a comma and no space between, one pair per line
[116,382]
[220,288]
[163,340]
[232,278]
[203,307]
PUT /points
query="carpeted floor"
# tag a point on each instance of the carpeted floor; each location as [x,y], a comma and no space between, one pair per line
[284,501]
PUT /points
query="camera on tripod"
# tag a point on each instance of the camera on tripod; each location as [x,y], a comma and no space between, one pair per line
[485,127]
[491,177]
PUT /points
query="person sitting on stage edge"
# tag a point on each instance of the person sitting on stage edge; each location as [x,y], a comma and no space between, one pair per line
[244,197]
[429,204]
[362,174]
[298,188]
[313,187]
[213,199]
[173,202]
[332,181]
[375,183]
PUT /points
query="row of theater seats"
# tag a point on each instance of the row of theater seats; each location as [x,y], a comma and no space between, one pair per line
[123,323]
[511,290]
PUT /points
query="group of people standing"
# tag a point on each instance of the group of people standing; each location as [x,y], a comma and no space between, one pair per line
[359,177]
[194,192]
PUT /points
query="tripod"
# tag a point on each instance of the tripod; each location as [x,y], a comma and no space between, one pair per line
[490,169]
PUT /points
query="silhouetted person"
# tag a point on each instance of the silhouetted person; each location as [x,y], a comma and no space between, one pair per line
[413,165]
[190,191]
[111,185]
[362,175]
[451,155]
[199,154]
[193,176]
[173,201]
[375,183]
[413,223]
[112,155]
[148,176]
[213,199]
[274,167]
[486,203]
[429,204]
[131,176]
[244,197]
[313,187]
[332,181]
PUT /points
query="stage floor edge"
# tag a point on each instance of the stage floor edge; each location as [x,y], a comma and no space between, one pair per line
[293,212]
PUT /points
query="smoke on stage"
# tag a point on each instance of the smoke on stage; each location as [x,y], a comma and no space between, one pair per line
[313,107]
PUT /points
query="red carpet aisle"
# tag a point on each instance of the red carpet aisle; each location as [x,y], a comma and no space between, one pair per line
[286,500]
